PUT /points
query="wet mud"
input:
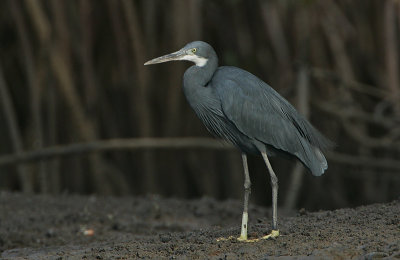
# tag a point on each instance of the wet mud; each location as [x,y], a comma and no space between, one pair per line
[93,227]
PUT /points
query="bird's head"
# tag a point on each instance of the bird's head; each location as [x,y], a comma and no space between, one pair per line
[198,52]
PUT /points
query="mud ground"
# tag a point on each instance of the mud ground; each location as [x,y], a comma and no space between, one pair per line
[79,227]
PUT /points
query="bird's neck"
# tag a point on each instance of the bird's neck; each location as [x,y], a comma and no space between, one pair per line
[197,76]
[195,83]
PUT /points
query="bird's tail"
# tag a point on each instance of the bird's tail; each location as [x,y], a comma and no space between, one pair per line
[313,158]
[322,164]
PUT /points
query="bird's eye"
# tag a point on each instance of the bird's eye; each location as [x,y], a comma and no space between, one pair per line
[194,50]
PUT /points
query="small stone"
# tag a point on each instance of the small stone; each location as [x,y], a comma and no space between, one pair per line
[50,233]
[302,212]
[165,238]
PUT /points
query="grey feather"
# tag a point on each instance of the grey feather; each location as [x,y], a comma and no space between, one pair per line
[260,113]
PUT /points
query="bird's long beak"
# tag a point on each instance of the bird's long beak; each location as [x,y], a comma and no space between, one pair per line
[169,57]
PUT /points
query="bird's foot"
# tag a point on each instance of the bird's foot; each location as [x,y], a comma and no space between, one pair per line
[242,238]
[230,238]
[273,234]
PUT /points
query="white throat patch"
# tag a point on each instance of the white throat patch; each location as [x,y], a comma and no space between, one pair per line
[199,61]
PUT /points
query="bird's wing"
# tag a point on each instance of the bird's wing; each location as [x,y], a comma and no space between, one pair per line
[259,112]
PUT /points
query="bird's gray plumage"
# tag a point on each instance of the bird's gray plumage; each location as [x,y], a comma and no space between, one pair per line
[239,107]
[262,115]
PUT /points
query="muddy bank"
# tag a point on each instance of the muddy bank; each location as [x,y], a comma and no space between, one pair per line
[76,227]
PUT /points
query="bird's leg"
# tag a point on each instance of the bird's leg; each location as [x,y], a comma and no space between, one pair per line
[247,191]
[274,185]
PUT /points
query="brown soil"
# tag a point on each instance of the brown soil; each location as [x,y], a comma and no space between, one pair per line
[59,227]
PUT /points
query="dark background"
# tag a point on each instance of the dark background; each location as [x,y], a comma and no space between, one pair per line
[72,72]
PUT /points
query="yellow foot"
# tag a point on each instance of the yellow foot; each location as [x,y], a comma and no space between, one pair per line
[242,238]
[232,238]
[225,238]
[252,240]
[273,234]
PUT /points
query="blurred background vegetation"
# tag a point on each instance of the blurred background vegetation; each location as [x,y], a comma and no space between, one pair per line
[72,72]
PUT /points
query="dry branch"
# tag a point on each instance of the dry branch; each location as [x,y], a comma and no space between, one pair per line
[364,161]
[114,144]
[363,88]
[170,143]
[392,52]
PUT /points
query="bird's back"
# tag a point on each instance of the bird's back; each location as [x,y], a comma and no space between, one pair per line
[260,114]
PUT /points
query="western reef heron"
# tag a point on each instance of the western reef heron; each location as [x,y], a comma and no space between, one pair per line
[239,107]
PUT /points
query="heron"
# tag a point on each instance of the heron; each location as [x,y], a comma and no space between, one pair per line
[237,106]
